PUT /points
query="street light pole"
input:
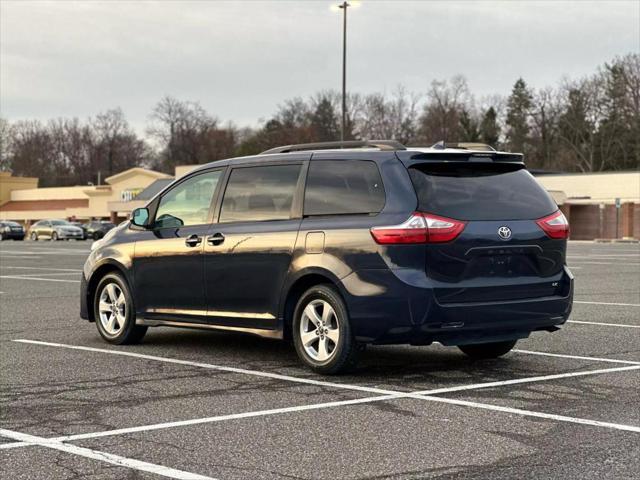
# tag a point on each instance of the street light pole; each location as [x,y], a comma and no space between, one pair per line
[344,5]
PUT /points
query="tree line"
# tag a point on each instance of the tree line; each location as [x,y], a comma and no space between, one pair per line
[585,125]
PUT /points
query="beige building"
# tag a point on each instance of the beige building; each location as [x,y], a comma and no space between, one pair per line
[590,188]
[9,183]
[598,205]
[81,202]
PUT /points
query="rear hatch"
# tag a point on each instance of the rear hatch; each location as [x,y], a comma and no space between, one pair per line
[502,252]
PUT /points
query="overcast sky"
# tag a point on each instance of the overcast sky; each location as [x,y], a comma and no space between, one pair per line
[241,59]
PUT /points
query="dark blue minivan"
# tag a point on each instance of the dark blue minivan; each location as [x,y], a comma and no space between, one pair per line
[339,245]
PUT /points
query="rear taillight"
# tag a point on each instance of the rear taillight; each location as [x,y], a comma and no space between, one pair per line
[419,228]
[555,225]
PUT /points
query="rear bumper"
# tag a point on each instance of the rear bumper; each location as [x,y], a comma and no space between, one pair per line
[403,313]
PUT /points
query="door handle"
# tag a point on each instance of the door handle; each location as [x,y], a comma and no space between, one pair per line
[215,239]
[193,240]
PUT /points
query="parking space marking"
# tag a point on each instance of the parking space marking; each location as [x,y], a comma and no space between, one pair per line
[604,324]
[575,357]
[103,456]
[28,275]
[276,376]
[388,394]
[17,277]
[530,413]
[608,303]
[517,381]
[300,408]
[42,268]
[619,264]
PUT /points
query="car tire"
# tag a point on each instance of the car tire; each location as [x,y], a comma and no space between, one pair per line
[114,311]
[322,333]
[34,237]
[54,237]
[483,351]
[1,236]
[96,236]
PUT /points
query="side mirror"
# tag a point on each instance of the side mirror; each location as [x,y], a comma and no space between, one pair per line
[140,217]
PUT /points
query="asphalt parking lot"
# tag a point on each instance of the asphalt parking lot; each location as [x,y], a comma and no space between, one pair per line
[189,404]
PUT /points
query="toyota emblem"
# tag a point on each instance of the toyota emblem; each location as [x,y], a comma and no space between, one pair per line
[504,233]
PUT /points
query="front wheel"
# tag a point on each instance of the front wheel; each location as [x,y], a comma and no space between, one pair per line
[114,311]
[321,331]
[488,350]
[34,236]
[54,237]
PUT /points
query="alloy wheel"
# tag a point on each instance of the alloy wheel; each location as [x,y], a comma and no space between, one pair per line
[319,330]
[112,308]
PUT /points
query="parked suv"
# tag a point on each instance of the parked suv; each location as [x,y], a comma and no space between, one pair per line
[341,245]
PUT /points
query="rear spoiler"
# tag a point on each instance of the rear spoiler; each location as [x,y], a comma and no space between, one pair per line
[409,157]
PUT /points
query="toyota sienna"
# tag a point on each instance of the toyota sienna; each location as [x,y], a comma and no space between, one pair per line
[339,245]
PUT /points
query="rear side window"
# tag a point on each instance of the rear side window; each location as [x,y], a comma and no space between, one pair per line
[480,192]
[338,187]
[260,193]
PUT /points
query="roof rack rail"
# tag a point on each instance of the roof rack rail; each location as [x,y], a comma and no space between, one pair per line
[381,144]
[441,145]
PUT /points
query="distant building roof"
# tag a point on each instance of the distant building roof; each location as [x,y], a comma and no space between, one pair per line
[153,189]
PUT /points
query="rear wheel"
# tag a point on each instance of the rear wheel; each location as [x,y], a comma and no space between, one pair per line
[34,236]
[488,350]
[1,236]
[114,311]
[321,331]
[54,237]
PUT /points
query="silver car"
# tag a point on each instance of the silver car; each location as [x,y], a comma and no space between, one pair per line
[55,230]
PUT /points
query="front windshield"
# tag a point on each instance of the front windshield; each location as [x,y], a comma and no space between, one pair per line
[59,222]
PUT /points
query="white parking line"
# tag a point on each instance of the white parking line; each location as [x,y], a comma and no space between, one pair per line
[576,357]
[301,408]
[619,264]
[604,324]
[606,255]
[17,277]
[222,368]
[530,413]
[103,456]
[42,268]
[29,275]
[389,394]
[609,303]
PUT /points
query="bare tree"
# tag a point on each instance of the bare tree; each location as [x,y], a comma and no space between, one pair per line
[440,119]
[5,145]
[186,133]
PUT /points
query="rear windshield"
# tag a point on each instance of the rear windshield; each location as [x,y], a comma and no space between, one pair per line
[480,192]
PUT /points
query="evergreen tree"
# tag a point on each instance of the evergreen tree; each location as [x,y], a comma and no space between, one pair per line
[489,128]
[323,122]
[518,109]
[469,128]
